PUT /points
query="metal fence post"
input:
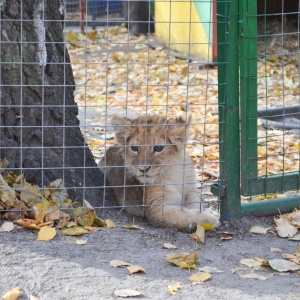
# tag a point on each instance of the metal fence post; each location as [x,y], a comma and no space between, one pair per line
[228,80]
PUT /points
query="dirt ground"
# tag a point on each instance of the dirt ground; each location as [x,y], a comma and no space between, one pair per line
[60,269]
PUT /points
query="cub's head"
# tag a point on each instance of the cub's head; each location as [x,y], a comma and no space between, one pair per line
[151,143]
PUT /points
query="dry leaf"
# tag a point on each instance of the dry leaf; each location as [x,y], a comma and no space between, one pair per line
[207,226]
[284,228]
[28,223]
[276,250]
[46,233]
[126,293]
[200,277]
[295,218]
[119,263]
[295,238]
[135,269]
[173,288]
[81,242]
[209,269]
[86,215]
[226,238]
[12,294]
[168,246]
[74,231]
[110,224]
[7,226]
[183,260]
[91,228]
[251,263]
[259,230]
[282,265]
[199,234]
[133,227]
[255,276]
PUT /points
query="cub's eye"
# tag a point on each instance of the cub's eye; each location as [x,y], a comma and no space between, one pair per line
[158,148]
[134,148]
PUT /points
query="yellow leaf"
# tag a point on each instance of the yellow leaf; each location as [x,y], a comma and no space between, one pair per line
[46,233]
[12,294]
[173,288]
[91,228]
[199,234]
[74,231]
[71,36]
[27,222]
[110,224]
[133,227]
[92,35]
[207,226]
[41,211]
[183,260]
[261,151]
[172,68]
[118,263]
[135,269]
[200,277]
[86,215]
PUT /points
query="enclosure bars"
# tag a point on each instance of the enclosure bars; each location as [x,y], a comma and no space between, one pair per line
[251,184]
[228,78]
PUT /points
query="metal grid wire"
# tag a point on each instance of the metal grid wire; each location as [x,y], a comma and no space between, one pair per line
[116,73]
[278,93]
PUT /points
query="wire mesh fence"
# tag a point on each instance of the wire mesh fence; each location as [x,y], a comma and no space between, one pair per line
[158,84]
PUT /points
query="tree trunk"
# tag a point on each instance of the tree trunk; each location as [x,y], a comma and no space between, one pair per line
[39,133]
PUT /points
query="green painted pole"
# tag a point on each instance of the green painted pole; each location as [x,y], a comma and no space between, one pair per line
[271,207]
[228,83]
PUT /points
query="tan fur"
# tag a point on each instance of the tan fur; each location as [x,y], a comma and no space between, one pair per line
[160,183]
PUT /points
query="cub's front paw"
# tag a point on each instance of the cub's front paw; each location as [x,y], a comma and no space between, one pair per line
[207,217]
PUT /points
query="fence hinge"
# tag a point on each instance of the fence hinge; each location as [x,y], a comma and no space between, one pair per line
[218,189]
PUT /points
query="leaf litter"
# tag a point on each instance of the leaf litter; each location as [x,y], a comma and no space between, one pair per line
[44,210]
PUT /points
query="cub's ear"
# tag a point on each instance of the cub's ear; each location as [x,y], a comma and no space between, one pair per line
[179,130]
[122,128]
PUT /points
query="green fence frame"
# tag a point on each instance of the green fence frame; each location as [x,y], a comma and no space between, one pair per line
[237,69]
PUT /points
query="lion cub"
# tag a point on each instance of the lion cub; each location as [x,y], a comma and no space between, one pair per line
[149,169]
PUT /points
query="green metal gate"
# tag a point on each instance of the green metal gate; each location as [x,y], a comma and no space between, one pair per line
[247,159]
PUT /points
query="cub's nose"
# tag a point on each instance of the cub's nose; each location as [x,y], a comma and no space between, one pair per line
[145,169]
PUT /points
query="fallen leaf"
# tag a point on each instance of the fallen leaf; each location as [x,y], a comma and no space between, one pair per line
[226,238]
[255,276]
[276,250]
[295,238]
[110,224]
[168,246]
[295,217]
[282,265]
[46,233]
[284,228]
[98,223]
[12,294]
[81,242]
[259,230]
[91,228]
[207,226]
[74,231]
[173,288]
[135,269]
[199,234]
[200,277]
[7,226]
[27,223]
[209,269]
[119,263]
[251,263]
[126,293]
[133,227]
[86,215]
[183,260]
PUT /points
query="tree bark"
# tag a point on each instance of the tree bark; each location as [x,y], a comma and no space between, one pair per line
[40,132]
